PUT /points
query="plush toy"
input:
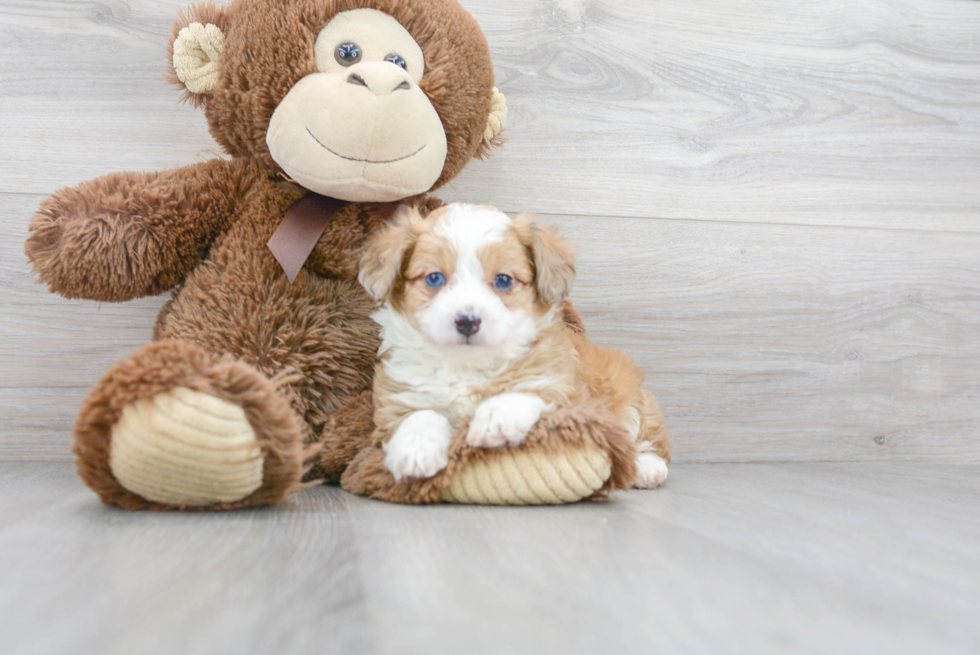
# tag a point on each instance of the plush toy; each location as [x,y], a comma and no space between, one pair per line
[261,365]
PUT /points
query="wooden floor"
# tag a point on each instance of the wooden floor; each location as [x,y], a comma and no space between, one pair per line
[777,211]
[727,558]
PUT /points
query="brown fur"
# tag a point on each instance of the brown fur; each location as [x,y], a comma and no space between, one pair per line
[128,235]
[572,318]
[347,433]
[611,377]
[552,260]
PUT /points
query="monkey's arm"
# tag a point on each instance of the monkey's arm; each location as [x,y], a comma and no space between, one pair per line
[128,235]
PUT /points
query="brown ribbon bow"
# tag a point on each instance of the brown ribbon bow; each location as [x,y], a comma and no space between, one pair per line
[296,236]
[304,224]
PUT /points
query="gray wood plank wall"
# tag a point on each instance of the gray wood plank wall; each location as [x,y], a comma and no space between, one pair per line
[776,205]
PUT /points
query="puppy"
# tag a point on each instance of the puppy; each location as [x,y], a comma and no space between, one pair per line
[473,334]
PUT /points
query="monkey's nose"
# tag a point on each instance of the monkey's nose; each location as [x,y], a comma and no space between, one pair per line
[356,79]
[467,325]
[380,82]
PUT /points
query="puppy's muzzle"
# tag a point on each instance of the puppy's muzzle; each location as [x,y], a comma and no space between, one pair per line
[467,325]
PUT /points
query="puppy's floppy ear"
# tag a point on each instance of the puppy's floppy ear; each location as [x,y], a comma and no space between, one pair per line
[381,260]
[552,259]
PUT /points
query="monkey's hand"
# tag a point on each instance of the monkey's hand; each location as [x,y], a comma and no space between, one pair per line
[128,235]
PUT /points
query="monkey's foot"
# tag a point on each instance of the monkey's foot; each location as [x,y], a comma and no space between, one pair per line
[174,427]
[185,447]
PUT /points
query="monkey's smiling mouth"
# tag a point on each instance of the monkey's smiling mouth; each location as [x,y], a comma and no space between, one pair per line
[367,161]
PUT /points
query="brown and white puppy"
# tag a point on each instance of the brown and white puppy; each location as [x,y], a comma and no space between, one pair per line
[473,333]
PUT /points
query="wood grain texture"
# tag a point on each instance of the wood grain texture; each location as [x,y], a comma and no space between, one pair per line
[829,112]
[815,294]
[789,342]
[747,558]
[832,112]
[762,342]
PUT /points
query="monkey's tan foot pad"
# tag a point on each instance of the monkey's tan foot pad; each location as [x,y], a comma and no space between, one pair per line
[185,447]
[531,477]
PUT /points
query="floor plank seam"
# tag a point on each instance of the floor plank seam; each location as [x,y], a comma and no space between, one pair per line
[754,223]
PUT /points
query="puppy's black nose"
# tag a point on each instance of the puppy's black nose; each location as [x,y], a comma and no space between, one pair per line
[467,325]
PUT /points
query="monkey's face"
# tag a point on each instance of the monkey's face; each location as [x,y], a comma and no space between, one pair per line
[360,128]
[386,100]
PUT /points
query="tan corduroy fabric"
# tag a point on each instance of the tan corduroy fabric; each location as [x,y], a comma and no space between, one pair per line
[498,116]
[531,478]
[197,56]
[186,448]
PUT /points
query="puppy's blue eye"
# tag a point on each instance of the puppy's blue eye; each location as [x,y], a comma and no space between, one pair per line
[503,282]
[435,280]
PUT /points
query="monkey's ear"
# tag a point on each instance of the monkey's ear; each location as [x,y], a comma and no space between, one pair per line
[381,260]
[552,259]
[196,44]
[495,124]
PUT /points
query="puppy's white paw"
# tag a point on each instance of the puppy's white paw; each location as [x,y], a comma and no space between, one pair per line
[651,471]
[504,419]
[419,448]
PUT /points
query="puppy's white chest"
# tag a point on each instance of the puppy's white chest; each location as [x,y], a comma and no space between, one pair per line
[430,376]
[449,390]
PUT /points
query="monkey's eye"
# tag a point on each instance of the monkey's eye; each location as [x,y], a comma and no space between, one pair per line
[435,280]
[348,54]
[397,60]
[503,282]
